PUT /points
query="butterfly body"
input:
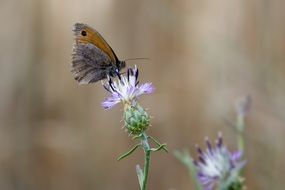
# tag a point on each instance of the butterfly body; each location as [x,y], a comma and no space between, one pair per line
[92,59]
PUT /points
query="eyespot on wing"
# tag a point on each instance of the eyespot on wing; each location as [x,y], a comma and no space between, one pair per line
[84,34]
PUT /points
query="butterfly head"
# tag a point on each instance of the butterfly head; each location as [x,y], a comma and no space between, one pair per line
[121,64]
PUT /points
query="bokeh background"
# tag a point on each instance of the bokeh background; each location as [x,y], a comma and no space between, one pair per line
[205,55]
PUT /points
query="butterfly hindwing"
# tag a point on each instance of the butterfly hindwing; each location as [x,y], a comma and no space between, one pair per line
[89,63]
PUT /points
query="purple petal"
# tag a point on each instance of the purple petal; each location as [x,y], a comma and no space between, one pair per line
[131,90]
[146,88]
[111,101]
[236,155]
[206,181]
[199,150]
[240,165]
[128,75]
[209,187]
[201,159]
[136,72]
[106,88]
[209,145]
[220,141]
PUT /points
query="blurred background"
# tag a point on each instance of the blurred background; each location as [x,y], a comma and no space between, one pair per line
[205,55]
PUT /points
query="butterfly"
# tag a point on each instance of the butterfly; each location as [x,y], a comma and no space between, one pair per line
[92,58]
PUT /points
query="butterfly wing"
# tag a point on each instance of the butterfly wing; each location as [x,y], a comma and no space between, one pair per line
[92,59]
[89,64]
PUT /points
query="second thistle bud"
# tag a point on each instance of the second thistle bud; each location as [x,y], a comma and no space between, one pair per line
[136,119]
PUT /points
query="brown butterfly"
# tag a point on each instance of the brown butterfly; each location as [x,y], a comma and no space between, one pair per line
[92,58]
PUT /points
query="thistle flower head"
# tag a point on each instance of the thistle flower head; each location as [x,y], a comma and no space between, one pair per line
[126,89]
[217,165]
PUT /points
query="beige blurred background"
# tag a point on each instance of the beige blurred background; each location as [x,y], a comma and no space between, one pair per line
[204,54]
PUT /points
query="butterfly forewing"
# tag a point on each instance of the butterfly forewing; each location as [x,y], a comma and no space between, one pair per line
[84,34]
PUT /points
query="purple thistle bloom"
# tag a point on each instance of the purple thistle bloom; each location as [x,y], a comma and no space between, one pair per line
[217,165]
[126,89]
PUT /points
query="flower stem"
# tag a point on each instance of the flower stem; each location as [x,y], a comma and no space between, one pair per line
[146,147]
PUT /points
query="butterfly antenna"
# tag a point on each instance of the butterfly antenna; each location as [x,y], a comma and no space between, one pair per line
[138,58]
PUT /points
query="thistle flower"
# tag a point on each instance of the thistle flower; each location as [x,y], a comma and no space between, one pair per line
[218,166]
[126,89]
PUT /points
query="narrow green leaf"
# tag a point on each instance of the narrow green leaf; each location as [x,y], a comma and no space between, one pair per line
[129,152]
[140,175]
[158,143]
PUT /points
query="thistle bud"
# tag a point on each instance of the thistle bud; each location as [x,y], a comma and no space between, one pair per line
[136,119]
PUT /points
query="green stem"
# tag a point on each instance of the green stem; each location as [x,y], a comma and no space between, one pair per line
[147,150]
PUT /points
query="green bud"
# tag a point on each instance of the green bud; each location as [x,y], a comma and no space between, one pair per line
[136,119]
[237,185]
